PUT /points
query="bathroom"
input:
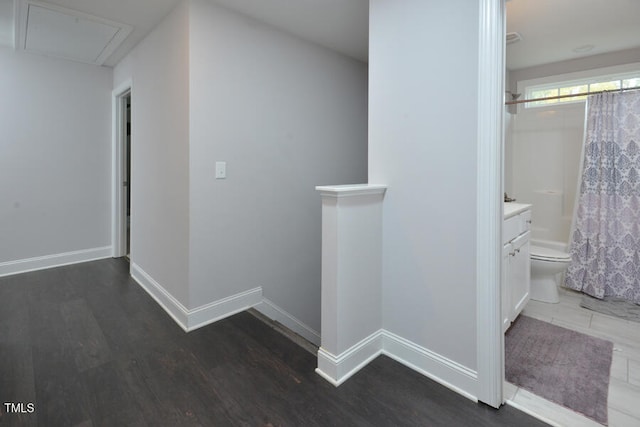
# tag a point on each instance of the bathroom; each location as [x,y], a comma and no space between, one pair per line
[543,152]
[542,162]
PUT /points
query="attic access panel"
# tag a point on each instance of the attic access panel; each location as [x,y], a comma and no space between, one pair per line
[69,34]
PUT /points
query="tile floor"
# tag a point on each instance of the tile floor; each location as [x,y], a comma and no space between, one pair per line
[624,385]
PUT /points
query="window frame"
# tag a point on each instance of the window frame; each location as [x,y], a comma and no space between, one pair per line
[569,80]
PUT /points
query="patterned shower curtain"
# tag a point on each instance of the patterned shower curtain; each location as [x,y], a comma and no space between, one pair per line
[605,243]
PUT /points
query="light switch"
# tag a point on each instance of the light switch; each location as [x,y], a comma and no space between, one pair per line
[221,170]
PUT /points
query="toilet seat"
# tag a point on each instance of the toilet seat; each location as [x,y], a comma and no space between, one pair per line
[550,255]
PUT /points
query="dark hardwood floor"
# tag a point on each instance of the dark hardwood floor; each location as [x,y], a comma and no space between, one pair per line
[88,347]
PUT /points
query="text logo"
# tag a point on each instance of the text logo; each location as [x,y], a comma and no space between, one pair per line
[19,408]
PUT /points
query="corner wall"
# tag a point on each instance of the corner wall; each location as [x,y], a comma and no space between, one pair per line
[55,166]
[286,115]
[159,70]
[423,123]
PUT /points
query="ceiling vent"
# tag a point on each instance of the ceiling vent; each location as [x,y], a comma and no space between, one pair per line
[65,33]
[513,37]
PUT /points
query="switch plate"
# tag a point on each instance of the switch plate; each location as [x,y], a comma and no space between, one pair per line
[221,170]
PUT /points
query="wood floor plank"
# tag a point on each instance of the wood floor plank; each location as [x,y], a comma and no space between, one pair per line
[110,401]
[16,363]
[91,348]
[60,394]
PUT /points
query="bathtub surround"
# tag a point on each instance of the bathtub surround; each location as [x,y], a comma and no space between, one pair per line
[560,365]
[543,147]
[606,235]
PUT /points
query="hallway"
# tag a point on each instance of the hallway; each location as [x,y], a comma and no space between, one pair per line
[87,346]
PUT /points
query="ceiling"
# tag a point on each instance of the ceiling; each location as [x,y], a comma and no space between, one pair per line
[141,15]
[550,29]
[340,25]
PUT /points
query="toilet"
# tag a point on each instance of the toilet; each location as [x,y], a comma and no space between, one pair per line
[546,268]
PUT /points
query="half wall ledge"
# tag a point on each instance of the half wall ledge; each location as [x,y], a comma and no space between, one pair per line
[351,315]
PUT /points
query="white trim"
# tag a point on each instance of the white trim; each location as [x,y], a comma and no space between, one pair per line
[117,169]
[450,374]
[50,261]
[273,312]
[351,190]
[568,79]
[190,320]
[490,340]
[338,369]
[172,306]
[218,310]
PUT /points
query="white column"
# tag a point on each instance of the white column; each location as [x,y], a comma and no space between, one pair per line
[351,279]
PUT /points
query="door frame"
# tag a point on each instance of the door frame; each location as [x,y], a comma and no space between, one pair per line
[489,201]
[118,195]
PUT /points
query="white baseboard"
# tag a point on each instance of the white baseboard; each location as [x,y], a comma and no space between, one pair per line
[190,320]
[220,309]
[273,312]
[172,306]
[338,368]
[450,374]
[50,261]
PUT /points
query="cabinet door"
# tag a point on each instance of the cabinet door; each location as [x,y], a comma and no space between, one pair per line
[506,294]
[519,274]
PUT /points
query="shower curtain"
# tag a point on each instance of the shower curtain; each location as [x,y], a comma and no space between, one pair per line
[605,242]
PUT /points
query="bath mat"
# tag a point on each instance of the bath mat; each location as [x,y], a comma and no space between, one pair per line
[613,307]
[560,365]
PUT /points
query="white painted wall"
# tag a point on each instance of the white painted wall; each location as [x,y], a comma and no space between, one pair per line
[55,158]
[159,69]
[285,115]
[422,145]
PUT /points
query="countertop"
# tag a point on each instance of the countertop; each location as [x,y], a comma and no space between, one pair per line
[512,209]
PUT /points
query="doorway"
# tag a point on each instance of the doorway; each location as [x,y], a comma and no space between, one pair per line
[122,171]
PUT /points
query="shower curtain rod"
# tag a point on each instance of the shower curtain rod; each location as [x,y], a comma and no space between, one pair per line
[522,101]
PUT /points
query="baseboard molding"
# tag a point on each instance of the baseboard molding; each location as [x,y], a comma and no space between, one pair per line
[50,261]
[193,319]
[450,374]
[338,368]
[178,312]
[220,309]
[273,312]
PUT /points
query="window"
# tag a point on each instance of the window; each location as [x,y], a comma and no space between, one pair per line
[584,86]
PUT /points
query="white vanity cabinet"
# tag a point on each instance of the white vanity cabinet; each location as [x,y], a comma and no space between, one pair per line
[516,264]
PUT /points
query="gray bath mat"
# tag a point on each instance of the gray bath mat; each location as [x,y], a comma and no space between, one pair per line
[613,307]
[560,365]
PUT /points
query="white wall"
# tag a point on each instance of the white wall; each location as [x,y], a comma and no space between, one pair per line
[422,145]
[159,69]
[55,158]
[285,115]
